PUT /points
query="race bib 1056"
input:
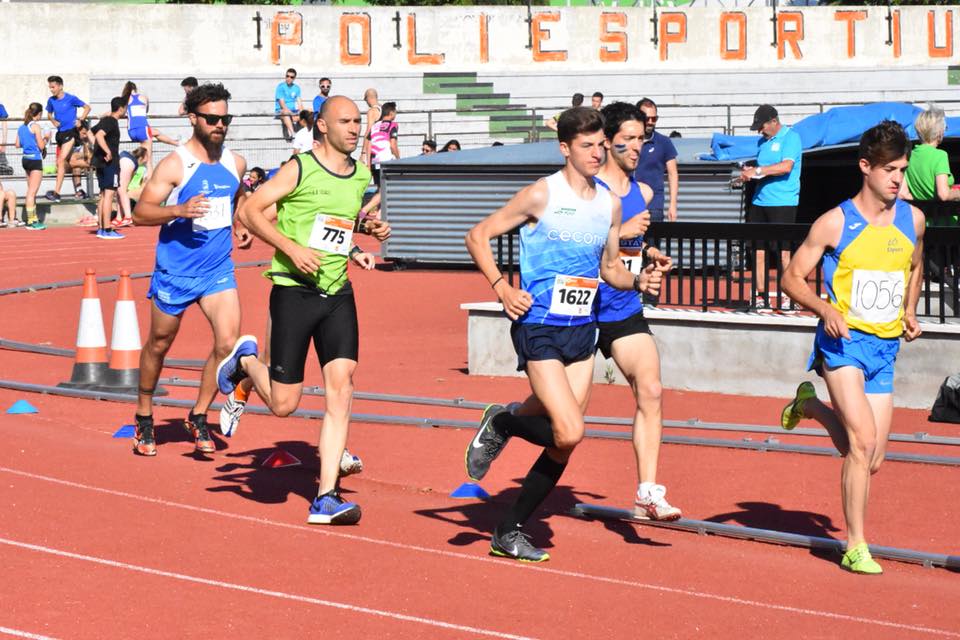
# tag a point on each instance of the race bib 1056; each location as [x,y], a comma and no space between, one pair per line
[331,234]
[219,214]
[573,295]
[876,296]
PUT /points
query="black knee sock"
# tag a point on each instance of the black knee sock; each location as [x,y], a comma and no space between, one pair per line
[540,481]
[534,429]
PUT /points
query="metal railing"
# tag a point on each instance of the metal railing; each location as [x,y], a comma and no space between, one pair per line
[714,266]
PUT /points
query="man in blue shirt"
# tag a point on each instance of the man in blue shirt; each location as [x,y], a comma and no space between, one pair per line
[325,84]
[287,103]
[775,199]
[62,112]
[657,156]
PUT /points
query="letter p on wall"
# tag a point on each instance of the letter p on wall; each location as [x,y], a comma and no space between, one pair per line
[286,28]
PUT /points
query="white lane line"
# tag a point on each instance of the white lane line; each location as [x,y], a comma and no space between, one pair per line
[256,590]
[486,559]
[7,631]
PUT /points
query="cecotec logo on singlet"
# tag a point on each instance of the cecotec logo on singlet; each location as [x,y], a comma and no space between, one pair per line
[577,237]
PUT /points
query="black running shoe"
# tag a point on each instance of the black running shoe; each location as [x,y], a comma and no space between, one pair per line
[196,425]
[486,445]
[516,545]
[144,442]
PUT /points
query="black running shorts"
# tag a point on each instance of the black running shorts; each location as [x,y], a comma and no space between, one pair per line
[777,215]
[62,137]
[549,342]
[611,331]
[299,315]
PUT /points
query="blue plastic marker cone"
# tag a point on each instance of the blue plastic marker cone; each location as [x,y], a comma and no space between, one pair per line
[22,406]
[126,431]
[470,490]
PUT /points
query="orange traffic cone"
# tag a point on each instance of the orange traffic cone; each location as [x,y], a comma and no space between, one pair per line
[124,373]
[90,365]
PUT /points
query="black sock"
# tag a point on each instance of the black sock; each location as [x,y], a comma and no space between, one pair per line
[540,481]
[533,429]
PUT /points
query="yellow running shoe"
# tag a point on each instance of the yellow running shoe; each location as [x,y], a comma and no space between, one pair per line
[793,412]
[859,560]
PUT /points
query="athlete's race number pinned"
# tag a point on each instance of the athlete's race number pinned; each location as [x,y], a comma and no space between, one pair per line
[633,261]
[877,296]
[137,110]
[573,296]
[331,234]
[219,214]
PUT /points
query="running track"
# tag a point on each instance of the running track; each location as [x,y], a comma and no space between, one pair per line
[98,543]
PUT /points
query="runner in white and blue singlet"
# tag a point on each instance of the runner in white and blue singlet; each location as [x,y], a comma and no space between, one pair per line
[192,195]
[138,123]
[568,239]
[623,331]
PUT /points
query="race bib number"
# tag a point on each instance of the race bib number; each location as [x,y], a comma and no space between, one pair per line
[331,234]
[573,296]
[633,261]
[137,110]
[876,296]
[218,215]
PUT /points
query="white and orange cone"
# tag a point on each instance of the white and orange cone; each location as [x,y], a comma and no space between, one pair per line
[90,364]
[124,373]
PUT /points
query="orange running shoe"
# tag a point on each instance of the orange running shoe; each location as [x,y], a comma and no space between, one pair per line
[196,426]
[144,443]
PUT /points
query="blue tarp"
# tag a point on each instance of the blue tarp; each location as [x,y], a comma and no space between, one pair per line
[839,125]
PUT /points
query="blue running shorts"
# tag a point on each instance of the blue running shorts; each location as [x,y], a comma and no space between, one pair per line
[865,351]
[173,294]
[140,134]
[550,342]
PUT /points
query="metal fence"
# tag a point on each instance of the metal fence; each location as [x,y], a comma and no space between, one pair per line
[715,261]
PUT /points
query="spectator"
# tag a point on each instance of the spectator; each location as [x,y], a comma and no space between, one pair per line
[675,134]
[106,159]
[303,140]
[452,145]
[596,100]
[34,145]
[657,155]
[497,143]
[8,197]
[62,112]
[928,175]
[188,84]
[775,199]
[5,168]
[325,84]
[287,103]
[138,127]
[575,101]
[373,115]
[80,158]
[383,140]
[134,173]
[428,147]
[255,177]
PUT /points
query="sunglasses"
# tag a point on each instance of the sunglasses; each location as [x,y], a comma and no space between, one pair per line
[212,118]
[652,118]
[291,77]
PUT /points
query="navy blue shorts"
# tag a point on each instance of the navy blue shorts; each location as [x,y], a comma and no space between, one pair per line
[549,342]
[173,294]
[108,177]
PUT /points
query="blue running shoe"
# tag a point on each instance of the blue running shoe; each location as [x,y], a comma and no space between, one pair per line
[229,371]
[330,508]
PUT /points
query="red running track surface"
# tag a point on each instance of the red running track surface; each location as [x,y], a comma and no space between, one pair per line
[96,542]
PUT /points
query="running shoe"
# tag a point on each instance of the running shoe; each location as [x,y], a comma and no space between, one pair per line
[17,222]
[81,194]
[859,560]
[3,224]
[144,442]
[516,545]
[230,414]
[792,414]
[37,226]
[350,464]
[126,222]
[229,371]
[196,426]
[330,508]
[109,234]
[52,196]
[88,221]
[486,445]
[654,506]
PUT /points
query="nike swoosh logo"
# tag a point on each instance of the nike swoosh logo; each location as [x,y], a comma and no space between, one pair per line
[514,551]
[476,444]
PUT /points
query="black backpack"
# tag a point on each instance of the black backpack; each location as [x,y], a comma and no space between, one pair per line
[947,406]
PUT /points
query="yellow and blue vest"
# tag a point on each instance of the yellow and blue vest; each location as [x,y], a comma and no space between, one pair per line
[867,273]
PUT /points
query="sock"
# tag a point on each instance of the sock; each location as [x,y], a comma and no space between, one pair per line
[644,490]
[540,481]
[31,215]
[240,394]
[534,429]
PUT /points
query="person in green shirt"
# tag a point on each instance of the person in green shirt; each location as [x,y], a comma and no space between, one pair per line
[318,196]
[928,176]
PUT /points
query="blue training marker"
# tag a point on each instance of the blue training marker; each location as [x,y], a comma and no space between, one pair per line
[126,431]
[22,406]
[470,490]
